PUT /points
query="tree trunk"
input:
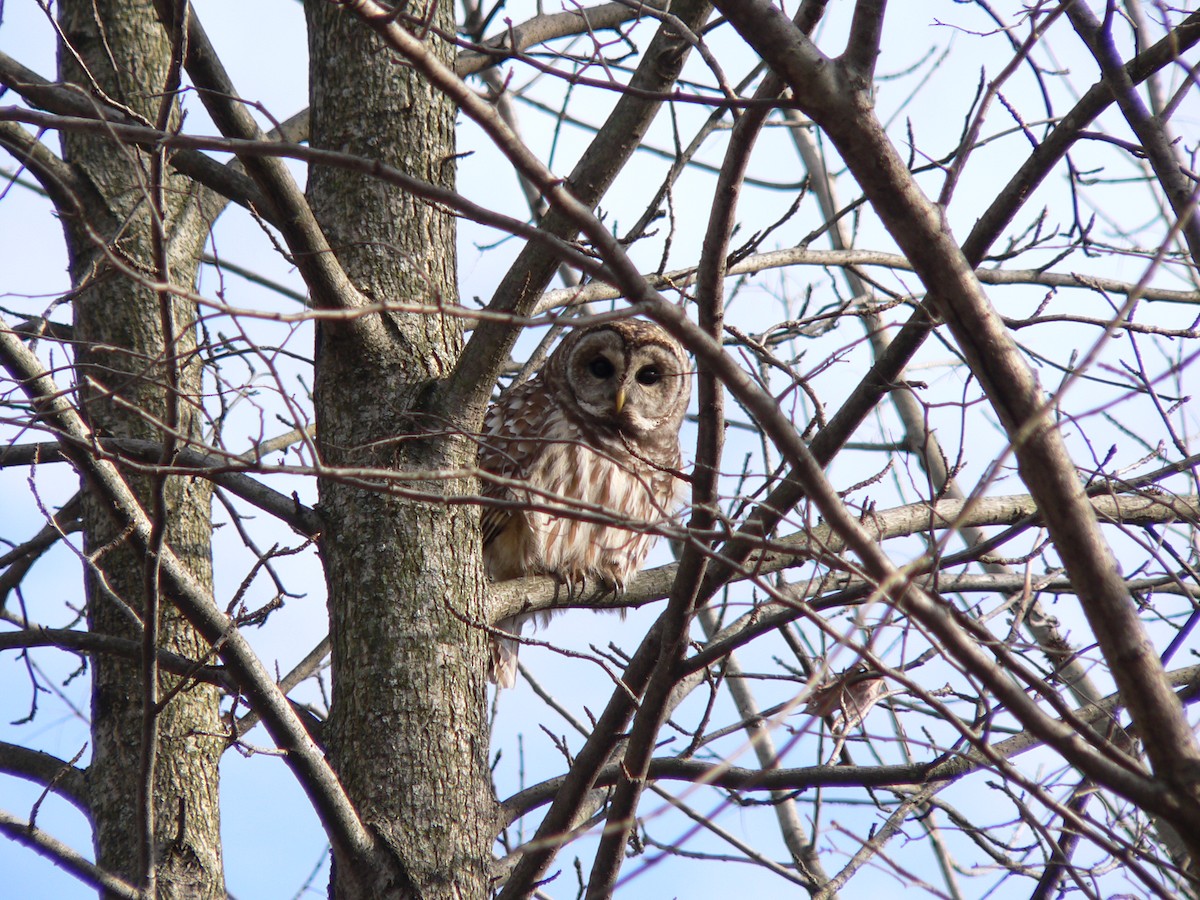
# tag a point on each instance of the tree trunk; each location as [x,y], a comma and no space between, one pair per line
[407,731]
[123,372]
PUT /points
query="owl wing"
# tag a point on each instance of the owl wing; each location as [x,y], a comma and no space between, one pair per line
[512,434]
[494,521]
[495,459]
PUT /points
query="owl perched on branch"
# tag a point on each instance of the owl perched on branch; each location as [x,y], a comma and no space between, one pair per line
[590,450]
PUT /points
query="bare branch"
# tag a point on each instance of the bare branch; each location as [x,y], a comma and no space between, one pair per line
[1151,131]
[221,470]
[1012,389]
[303,755]
[516,39]
[329,284]
[62,855]
[941,772]
[54,774]
[64,101]
[258,148]
[866,30]
[58,179]
[484,356]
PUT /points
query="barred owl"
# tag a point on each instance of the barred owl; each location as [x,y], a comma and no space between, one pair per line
[596,432]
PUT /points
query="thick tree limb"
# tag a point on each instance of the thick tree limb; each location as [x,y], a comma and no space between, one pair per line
[331,288]
[303,756]
[840,103]
[536,594]
[18,561]
[58,179]
[92,643]
[219,469]
[57,775]
[65,857]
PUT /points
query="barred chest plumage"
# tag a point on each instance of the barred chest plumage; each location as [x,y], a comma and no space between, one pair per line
[605,501]
[580,464]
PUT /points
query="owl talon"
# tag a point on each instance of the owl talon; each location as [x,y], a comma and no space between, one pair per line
[575,588]
[559,584]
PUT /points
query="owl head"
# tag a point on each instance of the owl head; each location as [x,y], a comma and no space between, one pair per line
[629,376]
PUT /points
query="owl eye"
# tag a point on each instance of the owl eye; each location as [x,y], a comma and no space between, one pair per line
[601,368]
[648,375]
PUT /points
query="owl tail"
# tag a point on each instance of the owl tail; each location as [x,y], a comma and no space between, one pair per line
[504,653]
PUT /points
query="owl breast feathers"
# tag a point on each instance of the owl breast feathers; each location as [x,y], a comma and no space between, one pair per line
[586,453]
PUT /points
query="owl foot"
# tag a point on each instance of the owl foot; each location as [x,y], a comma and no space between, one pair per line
[575,587]
[615,587]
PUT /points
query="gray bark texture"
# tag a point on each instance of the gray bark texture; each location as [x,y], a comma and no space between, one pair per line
[407,732]
[122,374]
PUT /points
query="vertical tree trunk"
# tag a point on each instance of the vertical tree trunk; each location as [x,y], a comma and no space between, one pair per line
[122,375]
[407,732]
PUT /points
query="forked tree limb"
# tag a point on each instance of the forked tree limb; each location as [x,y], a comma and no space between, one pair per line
[304,757]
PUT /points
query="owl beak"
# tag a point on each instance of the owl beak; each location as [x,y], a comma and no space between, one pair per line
[619,403]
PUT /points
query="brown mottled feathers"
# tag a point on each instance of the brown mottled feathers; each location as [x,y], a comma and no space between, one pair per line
[596,433]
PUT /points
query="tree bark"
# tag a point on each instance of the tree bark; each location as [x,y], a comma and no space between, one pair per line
[125,372]
[407,730]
